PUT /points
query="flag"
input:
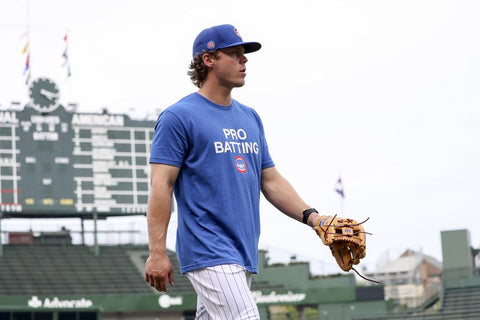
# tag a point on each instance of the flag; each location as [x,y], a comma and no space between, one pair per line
[339,188]
[25,48]
[66,62]
[27,64]
[27,69]
[26,51]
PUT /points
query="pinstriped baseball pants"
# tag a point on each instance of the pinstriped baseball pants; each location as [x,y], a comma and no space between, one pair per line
[223,293]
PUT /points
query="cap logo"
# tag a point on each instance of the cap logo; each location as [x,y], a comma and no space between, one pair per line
[237,33]
[211,44]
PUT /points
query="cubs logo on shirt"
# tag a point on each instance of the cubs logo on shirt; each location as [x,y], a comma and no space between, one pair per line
[240,164]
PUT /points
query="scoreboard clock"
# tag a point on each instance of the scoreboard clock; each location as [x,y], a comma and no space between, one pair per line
[44,95]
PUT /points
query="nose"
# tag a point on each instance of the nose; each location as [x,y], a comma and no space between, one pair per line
[243,59]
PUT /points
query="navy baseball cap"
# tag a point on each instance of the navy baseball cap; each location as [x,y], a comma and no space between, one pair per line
[221,37]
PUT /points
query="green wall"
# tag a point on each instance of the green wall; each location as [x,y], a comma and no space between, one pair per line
[297,276]
[457,255]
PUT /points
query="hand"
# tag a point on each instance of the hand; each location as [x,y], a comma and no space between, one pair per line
[314,219]
[159,270]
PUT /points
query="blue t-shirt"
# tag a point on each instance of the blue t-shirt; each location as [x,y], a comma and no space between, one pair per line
[221,152]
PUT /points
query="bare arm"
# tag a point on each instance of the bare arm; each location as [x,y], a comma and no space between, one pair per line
[158,267]
[283,196]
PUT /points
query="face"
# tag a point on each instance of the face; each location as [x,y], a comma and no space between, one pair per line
[229,67]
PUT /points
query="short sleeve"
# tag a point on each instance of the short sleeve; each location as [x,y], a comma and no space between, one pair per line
[170,140]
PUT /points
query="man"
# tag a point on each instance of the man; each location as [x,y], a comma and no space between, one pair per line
[211,151]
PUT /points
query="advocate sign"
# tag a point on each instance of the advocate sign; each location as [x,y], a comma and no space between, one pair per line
[56,303]
[104,302]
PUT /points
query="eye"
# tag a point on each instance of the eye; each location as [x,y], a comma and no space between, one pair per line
[235,52]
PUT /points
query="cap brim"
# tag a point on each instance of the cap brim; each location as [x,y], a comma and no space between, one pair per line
[248,46]
[251,46]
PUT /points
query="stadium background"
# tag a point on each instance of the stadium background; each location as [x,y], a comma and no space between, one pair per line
[58,163]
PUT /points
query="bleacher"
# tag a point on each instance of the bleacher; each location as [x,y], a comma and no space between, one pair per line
[69,269]
[75,269]
[462,303]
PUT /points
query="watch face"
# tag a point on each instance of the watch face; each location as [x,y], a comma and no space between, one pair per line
[44,95]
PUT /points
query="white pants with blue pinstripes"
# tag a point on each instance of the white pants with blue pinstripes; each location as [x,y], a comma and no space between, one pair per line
[223,293]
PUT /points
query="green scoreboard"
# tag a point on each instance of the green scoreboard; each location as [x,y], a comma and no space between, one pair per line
[59,163]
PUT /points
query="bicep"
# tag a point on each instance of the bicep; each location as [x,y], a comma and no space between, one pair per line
[162,181]
[163,175]
[269,176]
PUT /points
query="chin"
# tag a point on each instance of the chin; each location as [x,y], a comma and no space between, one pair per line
[240,84]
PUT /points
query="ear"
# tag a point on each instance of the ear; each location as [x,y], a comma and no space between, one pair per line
[208,60]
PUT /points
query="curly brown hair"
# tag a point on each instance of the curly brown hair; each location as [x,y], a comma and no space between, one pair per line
[198,70]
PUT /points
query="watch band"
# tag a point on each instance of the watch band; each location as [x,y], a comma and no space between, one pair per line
[307,214]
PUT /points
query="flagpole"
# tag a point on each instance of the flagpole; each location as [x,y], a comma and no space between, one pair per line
[339,189]
[342,206]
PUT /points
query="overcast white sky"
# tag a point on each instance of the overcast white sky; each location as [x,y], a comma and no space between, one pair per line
[384,93]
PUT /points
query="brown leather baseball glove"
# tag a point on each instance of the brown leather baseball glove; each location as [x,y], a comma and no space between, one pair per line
[346,239]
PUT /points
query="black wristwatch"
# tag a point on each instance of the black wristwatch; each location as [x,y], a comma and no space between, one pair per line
[307,214]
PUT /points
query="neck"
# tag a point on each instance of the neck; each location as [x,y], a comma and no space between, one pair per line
[217,94]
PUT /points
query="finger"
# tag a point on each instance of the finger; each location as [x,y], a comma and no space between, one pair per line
[160,284]
[170,278]
[156,283]
[151,280]
[163,284]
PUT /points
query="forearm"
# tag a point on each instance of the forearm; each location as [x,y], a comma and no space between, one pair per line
[158,217]
[283,196]
[158,268]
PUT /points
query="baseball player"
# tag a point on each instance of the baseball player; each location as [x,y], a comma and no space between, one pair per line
[211,151]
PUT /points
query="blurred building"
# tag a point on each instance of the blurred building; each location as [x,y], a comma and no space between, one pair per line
[411,278]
